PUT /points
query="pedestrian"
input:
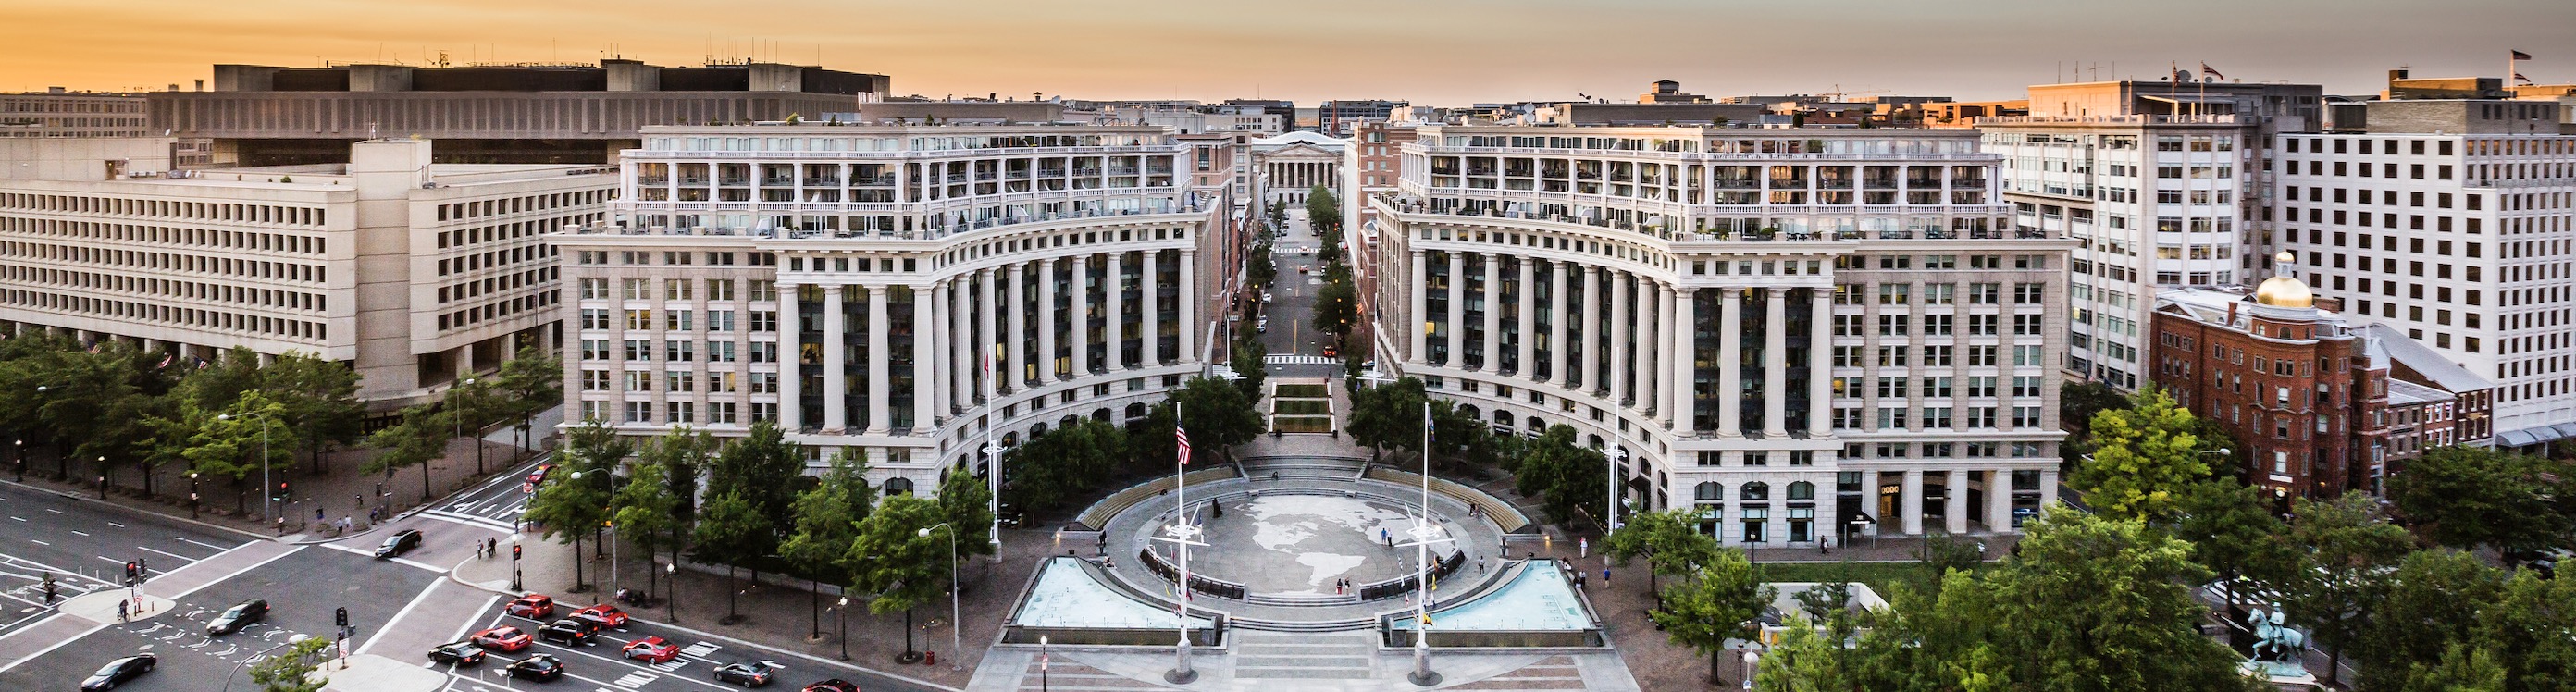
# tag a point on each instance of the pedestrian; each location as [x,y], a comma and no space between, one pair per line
[1605,574]
[317,514]
[1274,476]
[120,610]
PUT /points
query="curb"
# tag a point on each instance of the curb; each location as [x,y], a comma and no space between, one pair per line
[451,576]
[145,512]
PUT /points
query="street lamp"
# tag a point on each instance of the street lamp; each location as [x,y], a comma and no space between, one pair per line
[1618,457]
[290,641]
[22,460]
[844,610]
[670,598]
[956,627]
[192,494]
[1042,663]
[993,477]
[267,499]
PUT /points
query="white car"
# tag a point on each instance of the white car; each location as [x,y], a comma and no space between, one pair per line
[1265,296]
[1262,326]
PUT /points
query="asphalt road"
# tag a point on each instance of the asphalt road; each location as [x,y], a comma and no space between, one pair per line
[600,664]
[1291,310]
[496,504]
[85,547]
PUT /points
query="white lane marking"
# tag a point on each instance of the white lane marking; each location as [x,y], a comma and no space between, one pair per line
[171,554]
[19,518]
[470,520]
[398,616]
[56,511]
[42,543]
[184,540]
[636,679]
[371,555]
[109,559]
[80,533]
[56,645]
[117,525]
[234,573]
[469,623]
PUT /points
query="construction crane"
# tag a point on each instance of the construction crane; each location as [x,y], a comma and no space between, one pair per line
[1837,94]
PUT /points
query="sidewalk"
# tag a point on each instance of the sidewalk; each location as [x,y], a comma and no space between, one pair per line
[339,490]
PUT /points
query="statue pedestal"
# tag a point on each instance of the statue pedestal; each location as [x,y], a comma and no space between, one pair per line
[2282,674]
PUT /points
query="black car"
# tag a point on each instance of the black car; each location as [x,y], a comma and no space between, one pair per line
[463,653]
[569,631]
[538,667]
[744,673]
[401,542]
[234,618]
[118,671]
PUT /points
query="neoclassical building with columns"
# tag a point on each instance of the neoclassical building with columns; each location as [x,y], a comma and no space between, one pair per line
[900,293]
[1802,334]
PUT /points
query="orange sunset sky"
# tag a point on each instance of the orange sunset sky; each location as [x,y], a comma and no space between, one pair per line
[1441,52]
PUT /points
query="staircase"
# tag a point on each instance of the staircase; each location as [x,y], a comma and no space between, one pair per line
[1305,656]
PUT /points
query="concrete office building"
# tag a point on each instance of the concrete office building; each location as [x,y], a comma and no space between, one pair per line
[1799,333]
[849,283]
[264,115]
[2445,220]
[58,112]
[410,272]
[2161,185]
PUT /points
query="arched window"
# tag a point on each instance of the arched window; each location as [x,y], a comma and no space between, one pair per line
[1037,430]
[1502,418]
[898,486]
[1135,411]
[1757,491]
[1595,441]
[1100,414]
[1802,490]
[1535,426]
[1471,411]
[1709,491]
[1067,421]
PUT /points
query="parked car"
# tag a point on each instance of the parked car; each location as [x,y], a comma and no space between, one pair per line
[569,631]
[118,671]
[535,606]
[401,542]
[540,667]
[504,639]
[604,614]
[236,617]
[1265,296]
[744,673]
[1262,326]
[652,650]
[832,685]
[463,653]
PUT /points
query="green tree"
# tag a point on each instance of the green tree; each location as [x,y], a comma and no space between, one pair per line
[2465,497]
[1149,445]
[466,407]
[577,502]
[2233,533]
[1458,435]
[966,504]
[827,520]
[293,670]
[2533,626]
[2092,603]
[1251,360]
[2078,402]
[1337,308]
[2429,608]
[765,469]
[225,443]
[2346,549]
[1719,605]
[733,531]
[682,454]
[643,512]
[417,436]
[2460,669]
[1825,601]
[1388,417]
[1261,271]
[896,563]
[1669,540]
[1059,466]
[1217,415]
[530,382]
[2144,457]
[320,399]
[1568,479]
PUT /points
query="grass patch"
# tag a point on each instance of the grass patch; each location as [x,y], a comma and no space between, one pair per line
[1881,577]
[1301,407]
[1302,424]
[1307,391]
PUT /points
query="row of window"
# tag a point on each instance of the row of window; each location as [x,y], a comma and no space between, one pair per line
[1933,418]
[279,327]
[680,350]
[1979,356]
[165,209]
[526,203]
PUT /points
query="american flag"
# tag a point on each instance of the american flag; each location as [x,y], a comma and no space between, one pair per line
[1183,435]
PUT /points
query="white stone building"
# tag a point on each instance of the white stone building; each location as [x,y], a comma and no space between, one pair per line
[1794,331]
[410,272]
[1292,164]
[851,283]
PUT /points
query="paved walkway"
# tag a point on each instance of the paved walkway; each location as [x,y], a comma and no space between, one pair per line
[338,490]
[1365,668]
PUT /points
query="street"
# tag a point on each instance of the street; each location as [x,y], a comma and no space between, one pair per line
[1296,349]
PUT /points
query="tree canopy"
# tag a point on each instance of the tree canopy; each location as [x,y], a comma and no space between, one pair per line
[1217,415]
[2144,457]
[1567,478]
[2465,497]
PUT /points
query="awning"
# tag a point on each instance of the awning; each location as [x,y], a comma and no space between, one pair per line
[2516,438]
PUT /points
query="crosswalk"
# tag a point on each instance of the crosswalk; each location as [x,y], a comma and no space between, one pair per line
[472,520]
[636,680]
[1300,360]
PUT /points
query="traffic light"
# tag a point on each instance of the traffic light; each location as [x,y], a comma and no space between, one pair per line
[143,567]
[514,551]
[341,617]
[281,490]
[132,570]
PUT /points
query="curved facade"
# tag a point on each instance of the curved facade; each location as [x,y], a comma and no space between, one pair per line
[852,283]
[1800,333]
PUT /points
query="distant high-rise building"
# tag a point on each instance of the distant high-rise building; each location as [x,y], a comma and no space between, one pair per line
[263,115]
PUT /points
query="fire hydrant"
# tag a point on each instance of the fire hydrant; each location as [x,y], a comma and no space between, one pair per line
[930,658]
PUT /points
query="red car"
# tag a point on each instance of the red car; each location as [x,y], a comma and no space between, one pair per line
[538,477]
[504,639]
[604,614]
[652,650]
[532,606]
[832,685]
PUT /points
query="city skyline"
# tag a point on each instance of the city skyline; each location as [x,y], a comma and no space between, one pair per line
[1430,52]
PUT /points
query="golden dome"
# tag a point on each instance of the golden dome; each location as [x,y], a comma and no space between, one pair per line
[2284,292]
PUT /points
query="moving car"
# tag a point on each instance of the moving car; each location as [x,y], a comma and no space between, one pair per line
[652,650]
[234,618]
[535,606]
[1330,352]
[832,685]
[569,631]
[504,639]
[401,542]
[1262,326]
[538,477]
[604,614]
[540,667]
[118,671]
[463,653]
[1265,296]
[744,673]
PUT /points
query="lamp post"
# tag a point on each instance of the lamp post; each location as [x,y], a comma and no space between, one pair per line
[956,627]
[1618,457]
[844,610]
[22,460]
[192,494]
[1042,663]
[671,600]
[1424,534]
[993,478]
[267,499]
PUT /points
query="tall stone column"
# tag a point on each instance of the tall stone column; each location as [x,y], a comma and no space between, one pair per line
[1820,349]
[1620,313]
[1872,494]
[2047,488]
[880,380]
[1775,365]
[791,359]
[1999,493]
[1457,327]
[1014,309]
[992,363]
[1730,361]
[1192,332]
[1650,352]
[1528,317]
[1955,503]
[1150,351]
[1684,412]
[1493,297]
[1596,354]
[1421,312]
[1046,322]
[925,371]
[961,335]
[1912,502]
[1556,322]
[1117,295]
[1081,321]
[836,359]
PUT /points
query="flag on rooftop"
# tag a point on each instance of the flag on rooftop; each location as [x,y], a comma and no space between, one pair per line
[2519,55]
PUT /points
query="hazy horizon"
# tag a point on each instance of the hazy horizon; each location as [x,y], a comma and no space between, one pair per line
[1433,52]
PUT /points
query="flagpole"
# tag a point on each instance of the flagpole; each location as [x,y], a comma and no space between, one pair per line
[993,471]
[1182,532]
